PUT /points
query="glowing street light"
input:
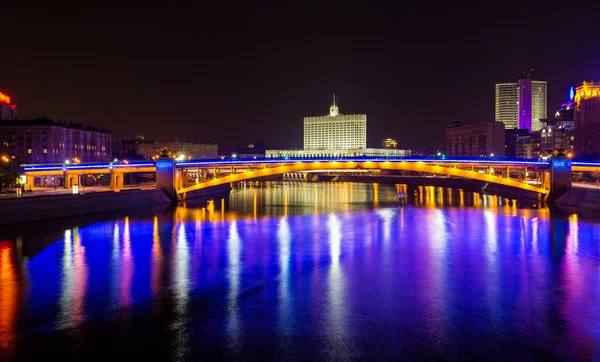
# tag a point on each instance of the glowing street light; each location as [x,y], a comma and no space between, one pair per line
[181,157]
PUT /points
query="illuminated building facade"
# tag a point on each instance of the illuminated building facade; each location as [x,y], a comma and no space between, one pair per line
[476,140]
[556,134]
[507,101]
[532,103]
[8,111]
[337,135]
[194,151]
[47,141]
[389,143]
[521,105]
[587,120]
[335,131]
[356,152]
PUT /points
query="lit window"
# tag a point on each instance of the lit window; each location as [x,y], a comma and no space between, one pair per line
[29,151]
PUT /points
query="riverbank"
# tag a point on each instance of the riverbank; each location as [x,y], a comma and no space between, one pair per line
[28,209]
[579,197]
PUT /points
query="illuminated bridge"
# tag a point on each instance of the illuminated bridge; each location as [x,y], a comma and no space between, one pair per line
[183,179]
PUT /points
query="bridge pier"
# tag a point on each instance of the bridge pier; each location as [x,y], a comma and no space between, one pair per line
[166,177]
[559,177]
[117,180]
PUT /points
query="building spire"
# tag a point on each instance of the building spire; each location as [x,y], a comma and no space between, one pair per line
[333,110]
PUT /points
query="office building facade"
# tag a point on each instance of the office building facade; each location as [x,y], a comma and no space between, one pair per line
[8,111]
[335,131]
[587,120]
[521,105]
[46,141]
[476,140]
[507,101]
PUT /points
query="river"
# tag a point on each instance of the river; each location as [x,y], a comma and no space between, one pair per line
[306,271]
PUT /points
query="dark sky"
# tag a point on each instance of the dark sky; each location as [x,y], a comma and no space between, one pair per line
[237,75]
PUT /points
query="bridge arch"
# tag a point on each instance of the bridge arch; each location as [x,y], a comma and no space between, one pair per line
[448,170]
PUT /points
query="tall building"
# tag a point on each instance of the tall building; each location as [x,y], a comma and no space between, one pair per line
[476,140]
[46,141]
[335,131]
[587,120]
[507,101]
[522,104]
[337,135]
[8,111]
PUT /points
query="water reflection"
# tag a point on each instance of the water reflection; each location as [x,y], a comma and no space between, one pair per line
[181,287]
[330,270]
[9,291]
[73,281]
[284,238]
[336,313]
[234,327]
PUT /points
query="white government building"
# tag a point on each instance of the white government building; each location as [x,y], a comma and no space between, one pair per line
[336,135]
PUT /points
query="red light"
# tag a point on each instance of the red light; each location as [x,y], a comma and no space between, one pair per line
[4,98]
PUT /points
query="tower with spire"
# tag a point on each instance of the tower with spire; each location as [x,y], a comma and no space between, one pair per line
[333,111]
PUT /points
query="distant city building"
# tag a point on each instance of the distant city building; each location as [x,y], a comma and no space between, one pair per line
[337,135]
[356,152]
[556,134]
[194,151]
[389,143]
[476,140]
[8,111]
[587,120]
[335,131]
[511,137]
[522,104]
[456,123]
[47,141]
[507,101]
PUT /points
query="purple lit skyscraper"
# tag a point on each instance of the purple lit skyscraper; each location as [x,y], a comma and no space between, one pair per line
[525,118]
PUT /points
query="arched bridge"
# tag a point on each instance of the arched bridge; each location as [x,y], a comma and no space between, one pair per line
[183,178]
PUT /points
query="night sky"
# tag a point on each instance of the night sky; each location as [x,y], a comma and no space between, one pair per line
[238,75]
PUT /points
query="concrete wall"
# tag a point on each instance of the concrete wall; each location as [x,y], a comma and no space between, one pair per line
[27,209]
[580,198]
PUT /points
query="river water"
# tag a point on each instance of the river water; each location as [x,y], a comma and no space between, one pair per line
[317,271]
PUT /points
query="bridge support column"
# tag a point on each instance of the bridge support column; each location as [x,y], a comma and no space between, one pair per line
[117,180]
[166,176]
[29,180]
[71,179]
[560,176]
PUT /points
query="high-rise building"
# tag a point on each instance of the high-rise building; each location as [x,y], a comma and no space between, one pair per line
[335,131]
[476,140]
[507,101]
[587,120]
[8,111]
[532,103]
[522,104]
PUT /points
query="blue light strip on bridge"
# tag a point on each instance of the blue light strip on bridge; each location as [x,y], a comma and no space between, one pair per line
[199,163]
[362,160]
[592,164]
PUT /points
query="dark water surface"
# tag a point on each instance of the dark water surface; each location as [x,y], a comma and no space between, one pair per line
[306,272]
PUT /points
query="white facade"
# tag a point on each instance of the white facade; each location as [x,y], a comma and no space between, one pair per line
[508,99]
[538,104]
[507,104]
[335,131]
[353,152]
